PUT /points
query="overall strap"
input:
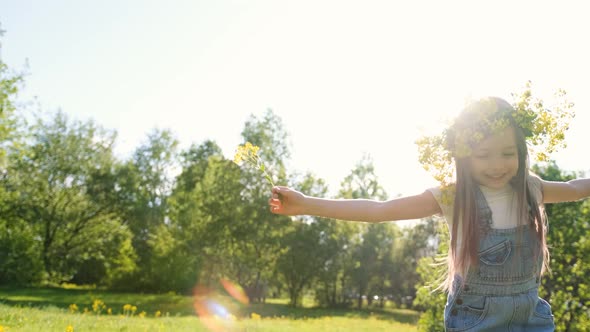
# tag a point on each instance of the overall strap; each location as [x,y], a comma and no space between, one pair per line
[484,212]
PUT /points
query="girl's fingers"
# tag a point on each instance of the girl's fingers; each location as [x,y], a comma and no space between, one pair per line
[274,204]
[274,208]
[279,189]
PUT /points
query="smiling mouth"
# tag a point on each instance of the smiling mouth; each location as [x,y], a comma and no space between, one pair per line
[496,177]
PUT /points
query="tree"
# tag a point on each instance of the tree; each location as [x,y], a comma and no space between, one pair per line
[19,260]
[9,84]
[373,244]
[303,254]
[142,189]
[204,208]
[432,272]
[567,287]
[379,247]
[51,178]
[417,241]
[258,233]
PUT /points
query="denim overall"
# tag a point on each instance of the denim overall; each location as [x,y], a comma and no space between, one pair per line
[501,292]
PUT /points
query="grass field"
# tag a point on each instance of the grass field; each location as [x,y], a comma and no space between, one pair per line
[52,309]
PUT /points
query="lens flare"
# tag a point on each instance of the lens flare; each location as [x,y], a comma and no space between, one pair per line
[215,310]
[235,290]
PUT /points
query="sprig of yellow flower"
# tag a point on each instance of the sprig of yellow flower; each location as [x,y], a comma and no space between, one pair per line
[249,153]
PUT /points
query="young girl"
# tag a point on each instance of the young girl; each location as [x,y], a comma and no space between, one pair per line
[494,209]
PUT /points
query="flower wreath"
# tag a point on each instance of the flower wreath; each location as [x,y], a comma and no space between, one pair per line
[544,130]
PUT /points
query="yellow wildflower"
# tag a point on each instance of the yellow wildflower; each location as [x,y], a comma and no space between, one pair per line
[70,328]
[73,308]
[157,314]
[255,316]
[249,153]
[129,309]
[98,306]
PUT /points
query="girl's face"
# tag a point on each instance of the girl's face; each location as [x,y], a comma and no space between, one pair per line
[494,161]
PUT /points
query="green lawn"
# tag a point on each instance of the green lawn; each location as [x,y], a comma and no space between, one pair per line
[50,309]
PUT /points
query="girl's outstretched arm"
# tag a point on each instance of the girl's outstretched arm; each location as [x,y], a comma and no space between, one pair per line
[287,201]
[573,190]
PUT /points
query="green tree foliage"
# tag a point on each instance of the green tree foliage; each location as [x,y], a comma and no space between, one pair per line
[143,187]
[205,206]
[416,242]
[432,270]
[303,255]
[260,232]
[9,84]
[50,179]
[567,287]
[373,243]
[376,263]
[333,284]
[19,262]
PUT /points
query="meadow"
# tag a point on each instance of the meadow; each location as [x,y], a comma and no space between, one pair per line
[61,309]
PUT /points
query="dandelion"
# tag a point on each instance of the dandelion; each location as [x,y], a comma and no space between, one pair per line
[109,311]
[249,153]
[158,314]
[255,316]
[1,328]
[69,328]
[142,314]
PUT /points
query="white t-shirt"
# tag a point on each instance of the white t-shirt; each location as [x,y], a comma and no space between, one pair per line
[502,202]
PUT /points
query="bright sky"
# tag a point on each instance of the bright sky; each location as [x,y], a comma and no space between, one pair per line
[346,77]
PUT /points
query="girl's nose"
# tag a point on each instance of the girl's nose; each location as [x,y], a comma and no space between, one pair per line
[497,164]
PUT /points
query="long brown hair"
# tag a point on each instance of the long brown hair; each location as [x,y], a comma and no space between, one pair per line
[465,208]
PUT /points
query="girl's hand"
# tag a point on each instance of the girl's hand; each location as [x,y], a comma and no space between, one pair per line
[286,201]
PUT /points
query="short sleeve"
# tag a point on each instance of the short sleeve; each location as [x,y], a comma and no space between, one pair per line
[447,210]
[536,187]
